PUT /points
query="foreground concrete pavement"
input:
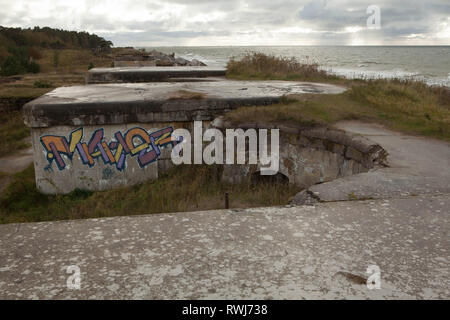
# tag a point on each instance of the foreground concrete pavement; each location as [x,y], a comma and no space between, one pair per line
[305,252]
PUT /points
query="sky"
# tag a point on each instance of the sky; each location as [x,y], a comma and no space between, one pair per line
[240,22]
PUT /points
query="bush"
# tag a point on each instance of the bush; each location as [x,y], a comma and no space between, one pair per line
[3,54]
[33,67]
[91,65]
[56,59]
[11,66]
[42,84]
[79,194]
[18,62]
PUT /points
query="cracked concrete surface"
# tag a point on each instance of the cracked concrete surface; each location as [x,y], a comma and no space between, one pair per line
[275,253]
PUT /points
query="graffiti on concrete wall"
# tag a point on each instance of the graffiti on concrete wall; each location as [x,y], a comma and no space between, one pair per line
[136,142]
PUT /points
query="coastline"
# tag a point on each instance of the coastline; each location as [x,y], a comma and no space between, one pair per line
[366,64]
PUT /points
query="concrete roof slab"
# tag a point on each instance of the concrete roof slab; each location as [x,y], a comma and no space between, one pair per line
[120,103]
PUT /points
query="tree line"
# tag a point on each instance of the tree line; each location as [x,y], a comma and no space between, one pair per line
[19,48]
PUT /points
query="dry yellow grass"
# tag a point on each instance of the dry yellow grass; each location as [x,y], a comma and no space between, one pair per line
[408,106]
[71,61]
[184,188]
[260,66]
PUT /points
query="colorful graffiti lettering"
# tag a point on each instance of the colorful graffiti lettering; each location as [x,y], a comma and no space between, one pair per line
[135,142]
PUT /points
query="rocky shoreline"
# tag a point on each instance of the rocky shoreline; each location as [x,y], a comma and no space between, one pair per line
[142,58]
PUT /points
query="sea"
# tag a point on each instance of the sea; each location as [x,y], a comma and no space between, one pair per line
[430,64]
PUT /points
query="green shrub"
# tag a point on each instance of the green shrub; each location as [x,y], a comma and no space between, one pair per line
[42,84]
[11,66]
[33,67]
[56,59]
[79,194]
[18,63]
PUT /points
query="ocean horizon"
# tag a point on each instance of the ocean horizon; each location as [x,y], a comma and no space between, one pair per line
[430,64]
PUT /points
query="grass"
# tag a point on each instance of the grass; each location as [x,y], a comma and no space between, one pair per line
[183,188]
[72,60]
[408,106]
[259,66]
[43,84]
[12,133]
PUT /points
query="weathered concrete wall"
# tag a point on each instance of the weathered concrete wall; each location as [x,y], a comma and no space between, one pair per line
[101,157]
[311,156]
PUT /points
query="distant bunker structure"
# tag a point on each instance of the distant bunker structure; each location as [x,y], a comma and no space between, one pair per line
[102,136]
[142,58]
[153,74]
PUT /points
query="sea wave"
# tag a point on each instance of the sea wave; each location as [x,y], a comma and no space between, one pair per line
[353,73]
[207,60]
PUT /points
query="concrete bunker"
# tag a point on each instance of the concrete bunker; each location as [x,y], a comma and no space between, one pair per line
[98,137]
[309,156]
[152,74]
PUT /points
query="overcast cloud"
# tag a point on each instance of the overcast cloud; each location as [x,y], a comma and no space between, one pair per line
[238,22]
